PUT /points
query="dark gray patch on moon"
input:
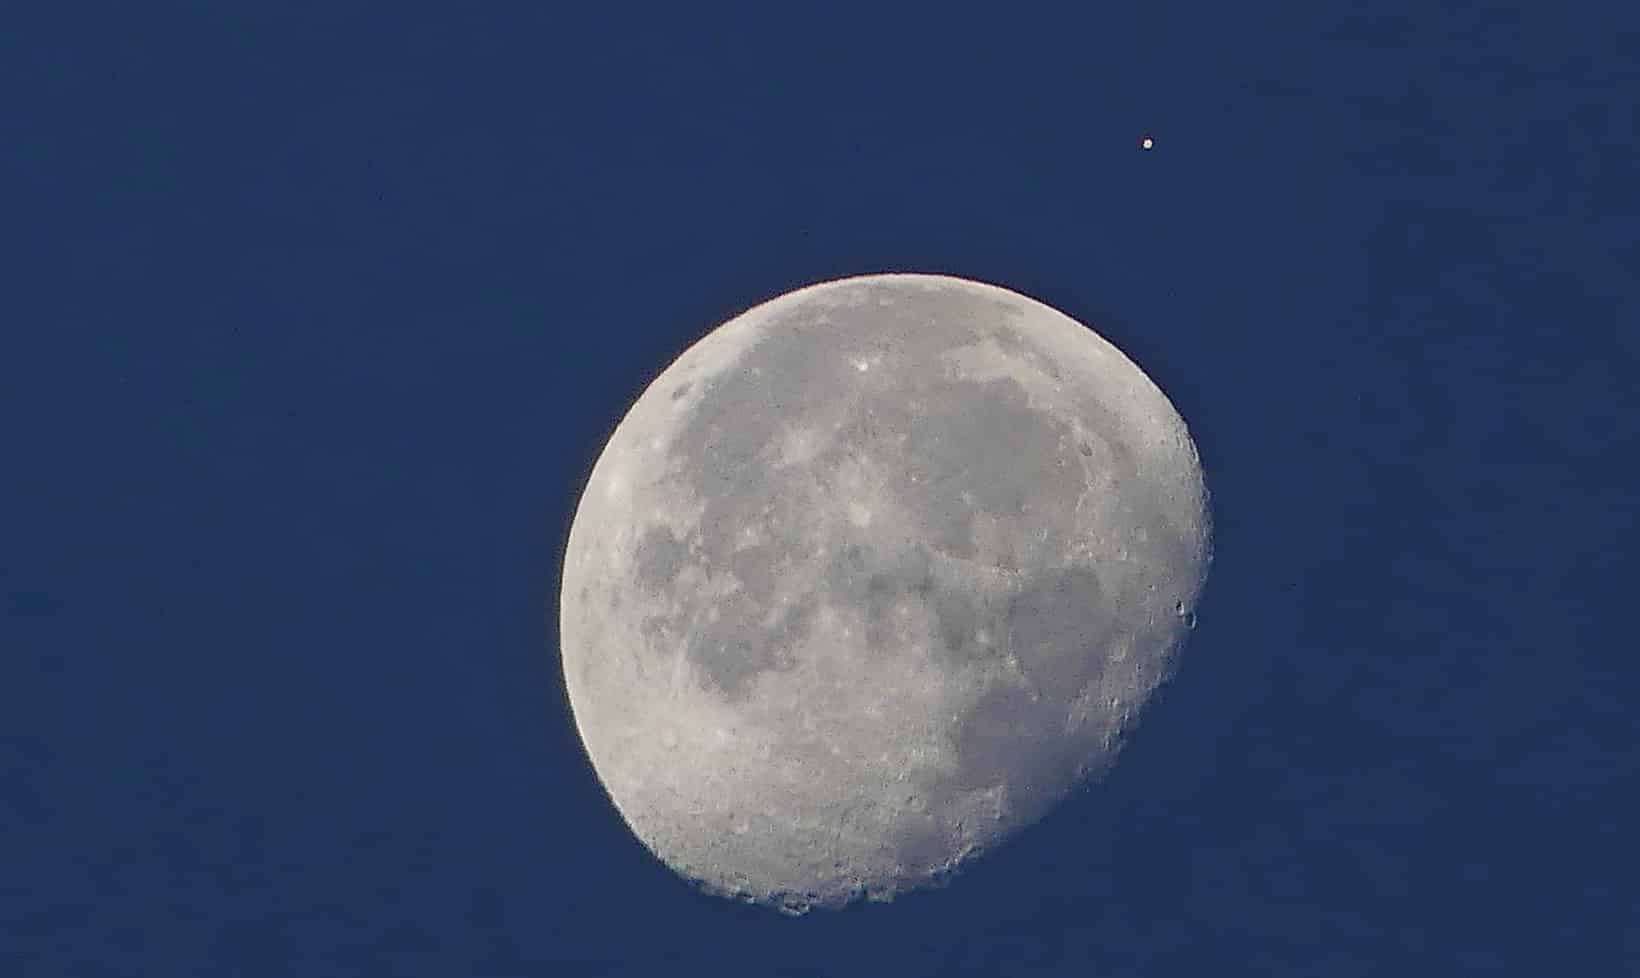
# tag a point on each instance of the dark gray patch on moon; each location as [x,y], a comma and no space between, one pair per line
[757,568]
[731,650]
[880,585]
[1012,738]
[965,626]
[660,556]
[979,448]
[1060,628]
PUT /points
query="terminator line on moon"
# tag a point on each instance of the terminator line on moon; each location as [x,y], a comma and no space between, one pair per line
[869,578]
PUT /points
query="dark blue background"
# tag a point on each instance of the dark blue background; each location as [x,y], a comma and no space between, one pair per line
[315,317]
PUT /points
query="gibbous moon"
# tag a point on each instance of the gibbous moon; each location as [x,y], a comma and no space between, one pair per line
[870,578]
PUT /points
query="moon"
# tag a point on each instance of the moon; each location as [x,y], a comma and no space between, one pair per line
[869,579]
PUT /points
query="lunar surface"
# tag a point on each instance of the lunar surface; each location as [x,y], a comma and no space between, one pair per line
[870,578]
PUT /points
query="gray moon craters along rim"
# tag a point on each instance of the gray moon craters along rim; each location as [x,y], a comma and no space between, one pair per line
[869,578]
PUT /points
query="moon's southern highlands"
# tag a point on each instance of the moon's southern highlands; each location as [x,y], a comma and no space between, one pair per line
[869,578]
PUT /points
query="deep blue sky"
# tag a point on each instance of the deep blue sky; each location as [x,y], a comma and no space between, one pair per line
[314,322]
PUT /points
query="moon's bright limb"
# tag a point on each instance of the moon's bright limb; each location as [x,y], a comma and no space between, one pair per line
[869,578]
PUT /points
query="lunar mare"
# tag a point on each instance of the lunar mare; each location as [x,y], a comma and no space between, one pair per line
[870,578]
